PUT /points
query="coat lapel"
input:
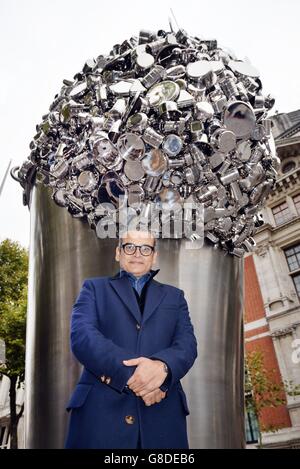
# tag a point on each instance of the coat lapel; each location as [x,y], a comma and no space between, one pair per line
[154,297]
[124,290]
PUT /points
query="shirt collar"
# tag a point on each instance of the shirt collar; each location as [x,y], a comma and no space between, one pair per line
[148,275]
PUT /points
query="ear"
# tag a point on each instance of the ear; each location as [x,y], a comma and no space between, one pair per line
[117,256]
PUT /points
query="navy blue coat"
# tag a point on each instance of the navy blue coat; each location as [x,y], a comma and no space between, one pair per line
[106,328]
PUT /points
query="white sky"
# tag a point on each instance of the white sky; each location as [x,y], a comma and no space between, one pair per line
[44,41]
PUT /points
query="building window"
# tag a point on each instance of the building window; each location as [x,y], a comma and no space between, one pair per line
[292,255]
[296,279]
[281,213]
[297,203]
[288,167]
[252,430]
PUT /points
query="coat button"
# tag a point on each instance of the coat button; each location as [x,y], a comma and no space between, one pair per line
[108,380]
[138,326]
[129,419]
[102,378]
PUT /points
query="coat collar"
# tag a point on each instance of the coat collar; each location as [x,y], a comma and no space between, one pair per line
[124,290]
[152,274]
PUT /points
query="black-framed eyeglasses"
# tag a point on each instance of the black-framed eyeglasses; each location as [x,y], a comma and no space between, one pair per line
[130,249]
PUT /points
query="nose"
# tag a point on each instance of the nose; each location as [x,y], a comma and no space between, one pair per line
[137,253]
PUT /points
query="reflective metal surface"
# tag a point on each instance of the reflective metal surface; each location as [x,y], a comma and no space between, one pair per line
[214,385]
[169,91]
[63,252]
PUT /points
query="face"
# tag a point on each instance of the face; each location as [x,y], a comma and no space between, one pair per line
[136,263]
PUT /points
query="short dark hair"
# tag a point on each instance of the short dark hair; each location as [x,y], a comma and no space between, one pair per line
[120,242]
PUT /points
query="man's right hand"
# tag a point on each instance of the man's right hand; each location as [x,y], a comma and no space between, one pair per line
[154,397]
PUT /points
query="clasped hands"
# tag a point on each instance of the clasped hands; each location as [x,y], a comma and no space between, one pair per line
[146,379]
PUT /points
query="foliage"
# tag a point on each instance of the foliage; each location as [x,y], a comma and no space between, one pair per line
[13,333]
[267,390]
[13,307]
[13,271]
[263,389]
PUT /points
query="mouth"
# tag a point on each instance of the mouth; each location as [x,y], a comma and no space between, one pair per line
[135,262]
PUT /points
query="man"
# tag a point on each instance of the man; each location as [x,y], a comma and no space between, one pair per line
[135,339]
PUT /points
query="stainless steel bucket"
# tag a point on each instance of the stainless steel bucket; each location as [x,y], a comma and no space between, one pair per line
[63,252]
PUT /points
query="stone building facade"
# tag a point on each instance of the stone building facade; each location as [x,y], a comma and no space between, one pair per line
[272,283]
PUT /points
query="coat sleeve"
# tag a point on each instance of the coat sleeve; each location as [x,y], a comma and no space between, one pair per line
[101,356]
[182,353]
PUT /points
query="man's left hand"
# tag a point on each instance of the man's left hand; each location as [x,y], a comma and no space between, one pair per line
[148,376]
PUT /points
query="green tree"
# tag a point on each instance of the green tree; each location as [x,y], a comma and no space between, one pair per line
[13,307]
[263,389]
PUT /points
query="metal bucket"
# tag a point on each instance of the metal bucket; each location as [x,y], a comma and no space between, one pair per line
[63,252]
